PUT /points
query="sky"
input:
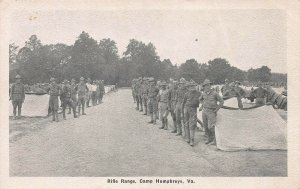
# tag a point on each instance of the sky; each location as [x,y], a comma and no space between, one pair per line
[246,38]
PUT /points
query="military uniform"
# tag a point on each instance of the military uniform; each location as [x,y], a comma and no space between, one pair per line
[178,108]
[82,92]
[190,105]
[140,95]
[163,99]
[145,96]
[74,95]
[152,102]
[260,95]
[172,105]
[54,92]
[209,101]
[102,90]
[67,99]
[17,95]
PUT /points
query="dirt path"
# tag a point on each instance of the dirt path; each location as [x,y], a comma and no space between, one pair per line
[115,140]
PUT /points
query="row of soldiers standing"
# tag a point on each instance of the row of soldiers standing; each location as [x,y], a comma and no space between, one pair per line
[71,94]
[180,99]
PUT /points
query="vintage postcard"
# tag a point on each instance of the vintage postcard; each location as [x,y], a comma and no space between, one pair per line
[150,94]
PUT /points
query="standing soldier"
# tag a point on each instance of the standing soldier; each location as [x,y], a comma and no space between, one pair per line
[172,103]
[89,93]
[178,109]
[140,95]
[190,104]
[67,99]
[132,90]
[17,95]
[163,99]
[144,95]
[98,92]
[226,87]
[102,90]
[93,93]
[54,92]
[210,106]
[152,100]
[136,96]
[82,92]
[74,96]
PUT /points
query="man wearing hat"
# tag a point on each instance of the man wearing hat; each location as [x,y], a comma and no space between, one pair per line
[67,100]
[74,95]
[54,92]
[132,89]
[239,93]
[145,95]
[189,105]
[172,102]
[140,95]
[102,90]
[17,95]
[136,92]
[226,87]
[93,93]
[260,94]
[82,92]
[152,100]
[210,99]
[163,100]
[89,93]
[178,108]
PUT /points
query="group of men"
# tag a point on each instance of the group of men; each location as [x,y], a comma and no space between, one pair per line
[181,99]
[71,94]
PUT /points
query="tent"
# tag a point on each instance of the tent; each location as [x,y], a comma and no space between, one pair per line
[253,129]
[33,106]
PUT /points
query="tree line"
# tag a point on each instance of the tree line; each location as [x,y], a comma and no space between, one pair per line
[88,57]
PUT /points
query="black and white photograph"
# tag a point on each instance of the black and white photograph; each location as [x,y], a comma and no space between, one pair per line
[148,96]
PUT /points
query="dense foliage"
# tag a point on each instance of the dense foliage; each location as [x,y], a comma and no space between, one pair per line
[88,57]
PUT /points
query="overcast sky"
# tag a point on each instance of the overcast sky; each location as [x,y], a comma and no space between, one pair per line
[246,38]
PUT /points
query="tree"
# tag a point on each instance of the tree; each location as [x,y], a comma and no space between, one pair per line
[218,70]
[260,74]
[13,53]
[191,70]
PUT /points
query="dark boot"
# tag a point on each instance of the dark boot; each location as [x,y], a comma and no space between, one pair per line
[53,115]
[83,111]
[19,113]
[56,116]
[166,124]
[162,124]
[192,135]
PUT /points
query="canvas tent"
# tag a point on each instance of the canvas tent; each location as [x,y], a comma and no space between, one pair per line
[253,129]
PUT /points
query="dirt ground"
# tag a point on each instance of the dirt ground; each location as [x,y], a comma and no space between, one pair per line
[113,139]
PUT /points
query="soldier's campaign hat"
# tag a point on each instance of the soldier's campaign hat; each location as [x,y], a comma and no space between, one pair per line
[206,82]
[52,79]
[73,79]
[226,80]
[18,76]
[82,79]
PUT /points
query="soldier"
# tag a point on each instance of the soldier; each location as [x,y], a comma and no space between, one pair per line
[93,93]
[67,99]
[210,107]
[132,90]
[54,91]
[226,87]
[82,92]
[98,92]
[136,92]
[260,94]
[152,100]
[178,109]
[172,103]
[239,93]
[17,95]
[144,95]
[163,99]
[89,93]
[102,90]
[74,95]
[190,104]
[140,95]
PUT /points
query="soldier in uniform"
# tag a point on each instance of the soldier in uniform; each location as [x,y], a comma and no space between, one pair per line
[226,87]
[210,107]
[172,103]
[102,90]
[89,93]
[74,97]
[190,104]
[145,95]
[82,92]
[178,108]
[240,93]
[54,92]
[260,94]
[140,95]
[132,90]
[67,99]
[17,95]
[152,100]
[163,99]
